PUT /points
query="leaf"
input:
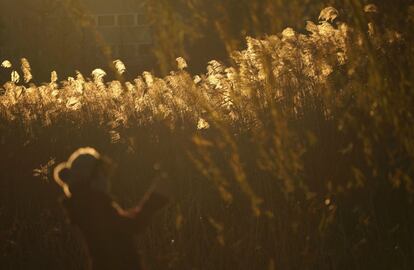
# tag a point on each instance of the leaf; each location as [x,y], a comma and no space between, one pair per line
[119,66]
[181,63]
[98,74]
[73,103]
[53,77]
[311,27]
[15,77]
[27,70]
[288,33]
[370,8]
[202,124]
[328,14]
[6,64]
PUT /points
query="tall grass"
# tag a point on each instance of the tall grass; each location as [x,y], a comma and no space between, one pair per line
[297,156]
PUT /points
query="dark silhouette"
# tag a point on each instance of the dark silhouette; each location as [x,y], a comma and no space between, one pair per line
[107,228]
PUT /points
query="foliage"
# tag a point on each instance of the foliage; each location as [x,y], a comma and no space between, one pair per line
[193,27]
[299,155]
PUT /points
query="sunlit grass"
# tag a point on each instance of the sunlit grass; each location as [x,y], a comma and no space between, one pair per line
[299,155]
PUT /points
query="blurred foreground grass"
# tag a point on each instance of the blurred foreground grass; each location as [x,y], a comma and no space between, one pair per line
[298,156]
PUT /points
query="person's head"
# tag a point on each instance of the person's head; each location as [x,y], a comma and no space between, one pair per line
[84,168]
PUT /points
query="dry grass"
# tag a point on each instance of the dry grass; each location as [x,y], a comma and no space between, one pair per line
[298,156]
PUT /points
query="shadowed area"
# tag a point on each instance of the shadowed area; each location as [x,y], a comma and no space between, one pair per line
[293,149]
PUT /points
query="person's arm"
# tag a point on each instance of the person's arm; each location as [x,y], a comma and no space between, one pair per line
[137,218]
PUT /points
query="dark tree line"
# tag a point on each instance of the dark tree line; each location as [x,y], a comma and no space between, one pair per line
[57,34]
[201,30]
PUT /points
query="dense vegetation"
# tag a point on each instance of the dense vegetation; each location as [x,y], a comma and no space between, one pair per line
[298,155]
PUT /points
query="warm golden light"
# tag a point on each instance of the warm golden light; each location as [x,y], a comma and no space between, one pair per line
[284,130]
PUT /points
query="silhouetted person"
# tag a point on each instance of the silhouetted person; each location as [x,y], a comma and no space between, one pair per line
[107,228]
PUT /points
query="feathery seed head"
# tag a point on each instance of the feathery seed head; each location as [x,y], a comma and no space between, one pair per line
[328,14]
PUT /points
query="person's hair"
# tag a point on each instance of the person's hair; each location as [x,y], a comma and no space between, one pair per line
[84,167]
